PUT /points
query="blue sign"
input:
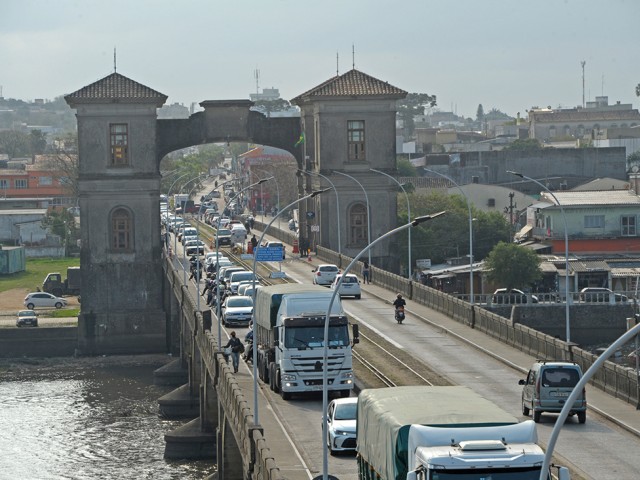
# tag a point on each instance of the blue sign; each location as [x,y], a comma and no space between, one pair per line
[269,254]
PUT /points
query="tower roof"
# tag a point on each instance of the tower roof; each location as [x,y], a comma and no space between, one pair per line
[351,84]
[116,88]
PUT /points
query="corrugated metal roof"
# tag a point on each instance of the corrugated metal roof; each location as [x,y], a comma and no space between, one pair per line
[352,83]
[116,87]
[625,272]
[589,266]
[602,197]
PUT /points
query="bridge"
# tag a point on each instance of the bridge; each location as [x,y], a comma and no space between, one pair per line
[221,402]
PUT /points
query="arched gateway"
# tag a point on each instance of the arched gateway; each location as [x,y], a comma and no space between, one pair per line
[348,125]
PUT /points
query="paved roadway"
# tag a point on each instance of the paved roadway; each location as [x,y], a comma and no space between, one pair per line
[598,449]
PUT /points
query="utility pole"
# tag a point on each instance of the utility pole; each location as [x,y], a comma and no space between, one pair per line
[509,210]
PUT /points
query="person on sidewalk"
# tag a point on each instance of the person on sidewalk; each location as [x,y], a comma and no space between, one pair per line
[236,349]
[365,273]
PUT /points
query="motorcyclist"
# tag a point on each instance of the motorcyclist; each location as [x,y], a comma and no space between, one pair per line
[399,302]
[248,340]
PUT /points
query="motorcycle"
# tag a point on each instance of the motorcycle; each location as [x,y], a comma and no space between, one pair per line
[248,350]
[399,314]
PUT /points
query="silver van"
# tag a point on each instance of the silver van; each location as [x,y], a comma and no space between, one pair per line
[547,387]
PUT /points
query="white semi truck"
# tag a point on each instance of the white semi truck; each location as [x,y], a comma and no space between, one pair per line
[443,433]
[288,323]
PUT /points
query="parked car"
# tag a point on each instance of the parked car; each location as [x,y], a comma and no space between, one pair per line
[350,286]
[597,294]
[27,318]
[547,387]
[43,299]
[325,274]
[237,310]
[513,296]
[341,425]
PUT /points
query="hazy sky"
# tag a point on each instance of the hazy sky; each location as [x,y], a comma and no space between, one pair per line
[507,54]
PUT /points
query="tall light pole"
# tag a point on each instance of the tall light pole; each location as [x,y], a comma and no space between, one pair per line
[175,234]
[197,255]
[470,227]
[566,251]
[337,204]
[273,177]
[325,355]
[368,209]
[259,182]
[408,214]
[254,359]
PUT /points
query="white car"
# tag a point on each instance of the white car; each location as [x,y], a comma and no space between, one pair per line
[42,299]
[341,425]
[237,310]
[350,286]
[325,274]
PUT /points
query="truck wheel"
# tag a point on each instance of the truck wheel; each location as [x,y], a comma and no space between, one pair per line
[536,416]
[525,410]
[57,292]
[582,417]
[273,376]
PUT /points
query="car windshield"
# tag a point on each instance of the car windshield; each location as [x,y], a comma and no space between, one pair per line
[223,231]
[346,411]
[328,269]
[242,276]
[310,337]
[349,279]
[239,302]
[27,313]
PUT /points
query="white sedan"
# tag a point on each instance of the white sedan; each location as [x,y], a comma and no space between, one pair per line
[237,310]
[350,286]
[42,299]
[341,425]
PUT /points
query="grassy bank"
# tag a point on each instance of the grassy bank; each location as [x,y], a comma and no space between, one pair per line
[37,270]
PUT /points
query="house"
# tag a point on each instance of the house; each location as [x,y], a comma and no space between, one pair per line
[597,222]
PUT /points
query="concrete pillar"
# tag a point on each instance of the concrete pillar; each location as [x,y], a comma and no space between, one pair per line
[230,463]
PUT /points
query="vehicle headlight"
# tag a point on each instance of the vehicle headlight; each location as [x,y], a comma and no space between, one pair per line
[347,374]
[342,432]
[288,378]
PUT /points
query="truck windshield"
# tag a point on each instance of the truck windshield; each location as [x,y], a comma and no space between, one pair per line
[530,473]
[313,337]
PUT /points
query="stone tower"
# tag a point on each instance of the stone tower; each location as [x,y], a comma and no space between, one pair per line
[349,125]
[119,187]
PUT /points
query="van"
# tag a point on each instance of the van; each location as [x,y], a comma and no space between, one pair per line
[238,233]
[547,387]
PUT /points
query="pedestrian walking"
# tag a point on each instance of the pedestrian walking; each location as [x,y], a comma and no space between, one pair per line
[236,349]
[366,273]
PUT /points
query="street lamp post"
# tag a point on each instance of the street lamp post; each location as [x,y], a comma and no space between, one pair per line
[337,204]
[175,235]
[566,252]
[408,215]
[325,355]
[259,182]
[470,229]
[254,359]
[273,177]
[197,255]
[368,209]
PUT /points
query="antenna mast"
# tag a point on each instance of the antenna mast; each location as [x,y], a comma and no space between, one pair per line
[114,60]
[353,56]
[256,74]
[337,64]
[583,63]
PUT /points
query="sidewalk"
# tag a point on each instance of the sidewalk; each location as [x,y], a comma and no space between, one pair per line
[617,411]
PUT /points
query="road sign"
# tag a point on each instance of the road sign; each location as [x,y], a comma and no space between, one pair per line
[315,228]
[269,254]
[246,256]
[278,275]
[311,214]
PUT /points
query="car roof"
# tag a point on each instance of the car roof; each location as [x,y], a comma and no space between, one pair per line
[343,401]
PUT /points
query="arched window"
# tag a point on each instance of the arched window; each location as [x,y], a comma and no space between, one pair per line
[121,230]
[581,130]
[567,131]
[552,131]
[358,225]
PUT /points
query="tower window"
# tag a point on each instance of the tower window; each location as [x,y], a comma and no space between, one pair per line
[355,135]
[121,230]
[119,142]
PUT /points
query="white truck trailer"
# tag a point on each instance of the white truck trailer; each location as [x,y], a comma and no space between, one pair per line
[288,323]
[443,433]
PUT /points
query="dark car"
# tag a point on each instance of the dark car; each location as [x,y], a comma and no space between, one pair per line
[27,318]
[598,294]
[224,236]
[501,296]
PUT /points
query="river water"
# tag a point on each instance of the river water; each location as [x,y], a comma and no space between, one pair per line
[86,418]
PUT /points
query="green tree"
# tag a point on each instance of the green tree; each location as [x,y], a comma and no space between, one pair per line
[37,142]
[62,223]
[413,104]
[406,168]
[15,144]
[525,144]
[633,159]
[480,114]
[638,90]
[268,106]
[512,266]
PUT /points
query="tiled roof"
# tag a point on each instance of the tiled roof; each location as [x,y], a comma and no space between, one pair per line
[352,83]
[116,88]
[584,115]
[600,197]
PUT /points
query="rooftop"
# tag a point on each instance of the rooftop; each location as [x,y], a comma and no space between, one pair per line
[600,197]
